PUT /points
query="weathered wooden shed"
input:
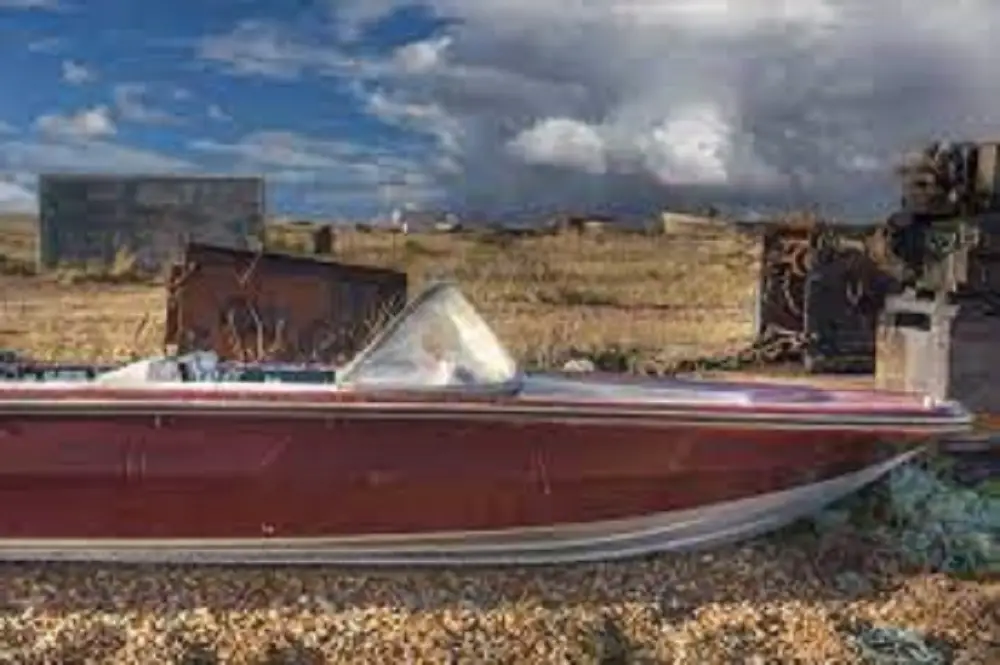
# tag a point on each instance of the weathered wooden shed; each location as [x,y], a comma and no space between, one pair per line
[95,218]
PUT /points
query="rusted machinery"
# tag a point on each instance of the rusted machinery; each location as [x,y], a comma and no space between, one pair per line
[943,236]
[824,288]
[941,334]
[261,306]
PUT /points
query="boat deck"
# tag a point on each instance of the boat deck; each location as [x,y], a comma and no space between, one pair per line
[828,381]
[977,454]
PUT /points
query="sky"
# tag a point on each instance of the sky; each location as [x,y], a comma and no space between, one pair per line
[351,108]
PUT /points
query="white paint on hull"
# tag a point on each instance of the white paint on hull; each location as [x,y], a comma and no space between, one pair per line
[710,525]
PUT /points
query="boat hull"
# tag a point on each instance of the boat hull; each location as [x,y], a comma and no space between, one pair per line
[411,490]
[704,526]
[229,473]
[216,476]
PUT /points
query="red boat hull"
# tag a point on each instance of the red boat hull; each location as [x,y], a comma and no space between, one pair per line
[206,476]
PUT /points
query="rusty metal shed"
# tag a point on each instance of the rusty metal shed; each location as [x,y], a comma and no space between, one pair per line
[92,218]
[251,306]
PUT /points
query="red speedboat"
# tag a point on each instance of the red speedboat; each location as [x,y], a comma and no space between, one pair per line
[430,447]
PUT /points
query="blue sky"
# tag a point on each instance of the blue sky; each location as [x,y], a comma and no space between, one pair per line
[351,108]
[164,86]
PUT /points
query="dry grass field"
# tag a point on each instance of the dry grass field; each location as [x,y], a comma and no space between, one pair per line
[668,296]
[804,596]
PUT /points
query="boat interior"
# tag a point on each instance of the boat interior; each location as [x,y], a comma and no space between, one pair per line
[439,343]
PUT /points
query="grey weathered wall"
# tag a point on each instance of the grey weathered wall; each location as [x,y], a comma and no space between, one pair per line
[914,346]
[89,218]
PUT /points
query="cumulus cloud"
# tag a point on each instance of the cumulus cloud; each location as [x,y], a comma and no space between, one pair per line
[23,156]
[75,142]
[46,45]
[642,103]
[280,149]
[216,112]
[30,4]
[562,142]
[86,124]
[261,48]
[75,73]
[422,56]
[15,197]
[130,102]
[325,172]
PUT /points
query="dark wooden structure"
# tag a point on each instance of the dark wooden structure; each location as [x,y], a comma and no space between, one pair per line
[785,265]
[820,295]
[255,306]
[845,291]
[91,219]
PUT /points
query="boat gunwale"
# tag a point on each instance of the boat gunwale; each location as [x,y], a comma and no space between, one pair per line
[607,414]
[838,401]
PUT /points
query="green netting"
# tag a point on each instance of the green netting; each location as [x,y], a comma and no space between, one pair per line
[889,645]
[933,521]
[944,526]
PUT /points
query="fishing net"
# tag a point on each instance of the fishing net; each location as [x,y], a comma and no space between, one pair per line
[890,645]
[933,521]
[920,512]
[943,526]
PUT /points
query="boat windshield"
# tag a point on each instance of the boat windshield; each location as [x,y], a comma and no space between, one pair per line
[438,341]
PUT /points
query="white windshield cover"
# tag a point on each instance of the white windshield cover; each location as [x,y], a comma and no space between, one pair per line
[437,341]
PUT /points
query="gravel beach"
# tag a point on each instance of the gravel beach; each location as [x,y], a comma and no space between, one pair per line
[788,598]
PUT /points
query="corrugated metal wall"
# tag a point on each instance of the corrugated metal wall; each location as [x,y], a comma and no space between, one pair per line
[91,218]
[252,306]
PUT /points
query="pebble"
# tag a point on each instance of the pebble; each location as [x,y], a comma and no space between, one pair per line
[760,603]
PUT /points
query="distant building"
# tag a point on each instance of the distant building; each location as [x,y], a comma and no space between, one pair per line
[422,221]
[580,223]
[679,223]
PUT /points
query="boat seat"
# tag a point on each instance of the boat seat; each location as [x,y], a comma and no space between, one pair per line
[150,370]
[198,366]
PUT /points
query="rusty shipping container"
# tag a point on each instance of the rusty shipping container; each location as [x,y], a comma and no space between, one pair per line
[251,306]
[89,218]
